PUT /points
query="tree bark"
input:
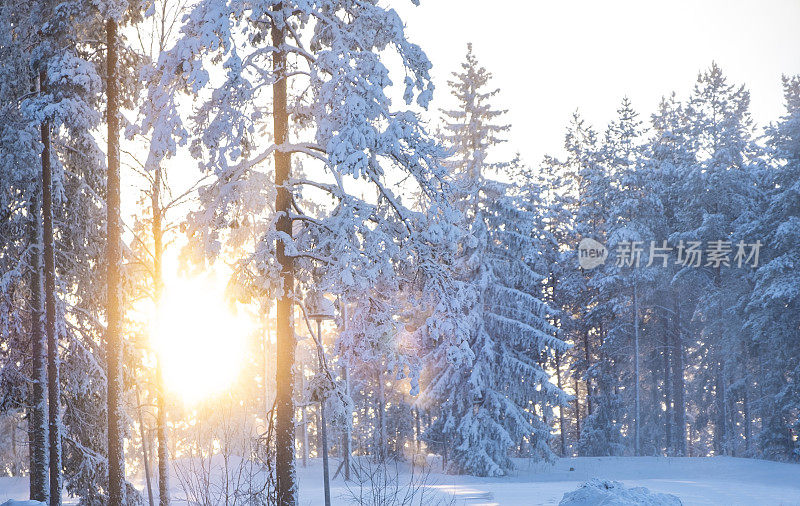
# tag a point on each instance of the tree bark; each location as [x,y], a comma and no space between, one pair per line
[158,283]
[161,435]
[116,456]
[577,410]
[666,389]
[285,475]
[14,456]
[588,356]
[678,386]
[720,422]
[731,431]
[637,401]
[39,456]
[561,407]
[746,416]
[304,419]
[145,453]
[417,430]
[347,432]
[53,381]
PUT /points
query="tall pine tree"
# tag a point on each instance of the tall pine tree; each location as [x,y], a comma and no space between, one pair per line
[493,395]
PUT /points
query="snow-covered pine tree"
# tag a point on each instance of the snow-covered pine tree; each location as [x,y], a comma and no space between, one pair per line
[71,102]
[493,395]
[61,90]
[719,194]
[55,64]
[620,290]
[311,73]
[603,362]
[67,59]
[667,152]
[541,192]
[75,61]
[20,281]
[773,311]
[586,192]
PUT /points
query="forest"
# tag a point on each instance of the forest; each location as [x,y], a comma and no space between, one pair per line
[238,237]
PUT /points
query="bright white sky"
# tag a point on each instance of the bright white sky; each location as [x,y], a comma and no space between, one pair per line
[552,57]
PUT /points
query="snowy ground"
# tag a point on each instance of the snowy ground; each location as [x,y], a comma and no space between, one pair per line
[696,481]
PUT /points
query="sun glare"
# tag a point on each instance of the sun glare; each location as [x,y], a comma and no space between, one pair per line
[199,339]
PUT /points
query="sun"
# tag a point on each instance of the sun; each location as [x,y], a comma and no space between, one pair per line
[199,340]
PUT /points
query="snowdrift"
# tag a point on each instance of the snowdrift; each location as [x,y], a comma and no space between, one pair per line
[613,493]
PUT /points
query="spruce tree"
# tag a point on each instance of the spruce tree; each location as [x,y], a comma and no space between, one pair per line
[773,310]
[493,395]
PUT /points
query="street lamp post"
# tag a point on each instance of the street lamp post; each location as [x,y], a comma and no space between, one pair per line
[346,446]
[322,309]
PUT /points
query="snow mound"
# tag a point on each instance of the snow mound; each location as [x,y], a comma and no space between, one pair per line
[613,493]
[12,502]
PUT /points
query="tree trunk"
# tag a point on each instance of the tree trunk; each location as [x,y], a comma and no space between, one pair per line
[561,407]
[382,443]
[721,401]
[730,419]
[116,456]
[14,456]
[678,386]
[145,453]
[577,410]
[667,398]
[304,418]
[637,401]
[285,475]
[161,401]
[39,456]
[347,432]
[417,431]
[588,355]
[267,369]
[161,435]
[746,417]
[53,381]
